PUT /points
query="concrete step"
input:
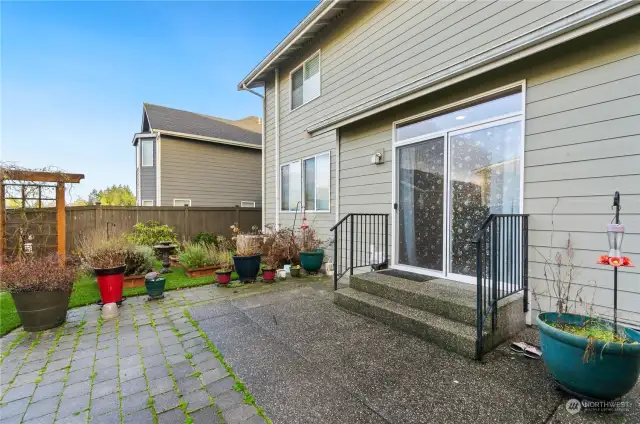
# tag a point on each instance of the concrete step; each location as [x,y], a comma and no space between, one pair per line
[449,299]
[449,334]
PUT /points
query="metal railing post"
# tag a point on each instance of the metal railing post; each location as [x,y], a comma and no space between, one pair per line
[525,261]
[495,272]
[351,248]
[335,259]
[386,240]
[479,346]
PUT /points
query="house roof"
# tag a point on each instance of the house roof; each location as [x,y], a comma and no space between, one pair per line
[181,123]
[321,16]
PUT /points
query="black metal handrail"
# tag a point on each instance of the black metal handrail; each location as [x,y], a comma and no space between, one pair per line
[359,240]
[501,267]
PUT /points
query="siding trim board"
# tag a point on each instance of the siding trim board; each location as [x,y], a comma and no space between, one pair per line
[587,19]
[211,139]
[158,172]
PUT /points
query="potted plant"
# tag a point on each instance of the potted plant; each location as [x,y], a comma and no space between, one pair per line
[586,355]
[107,258]
[198,259]
[311,255]
[138,262]
[225,260]
[155,285]
[247,257]
[294,270]
[40,288]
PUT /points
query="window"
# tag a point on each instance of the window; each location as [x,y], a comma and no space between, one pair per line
[147,203]
[306,183]
[181,202]
[305,82]
[247,204]
[147,152]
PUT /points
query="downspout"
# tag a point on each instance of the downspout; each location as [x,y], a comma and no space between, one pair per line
[277,144]
[262,153]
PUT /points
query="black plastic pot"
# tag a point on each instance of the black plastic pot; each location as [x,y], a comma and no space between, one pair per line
[41,310]
[247,267]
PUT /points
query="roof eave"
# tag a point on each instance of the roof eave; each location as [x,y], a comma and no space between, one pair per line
[210,139]
[294,36]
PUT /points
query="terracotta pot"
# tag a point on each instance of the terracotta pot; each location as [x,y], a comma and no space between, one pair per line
[202,271]
[41,310]
[132,281]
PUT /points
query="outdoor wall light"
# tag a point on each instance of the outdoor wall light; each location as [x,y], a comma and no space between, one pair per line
[378,157]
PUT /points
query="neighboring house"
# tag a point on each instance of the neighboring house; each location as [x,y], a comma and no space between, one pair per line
[186,158]
[440,113]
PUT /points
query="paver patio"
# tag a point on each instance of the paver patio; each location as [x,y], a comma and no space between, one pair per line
[304,359]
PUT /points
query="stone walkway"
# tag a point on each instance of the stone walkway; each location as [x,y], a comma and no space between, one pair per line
[151,365]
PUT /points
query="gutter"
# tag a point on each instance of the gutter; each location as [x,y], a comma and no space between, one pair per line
[314,16]
[262,156]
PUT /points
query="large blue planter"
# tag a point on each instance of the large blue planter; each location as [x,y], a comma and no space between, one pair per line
[312,261]
[612,369]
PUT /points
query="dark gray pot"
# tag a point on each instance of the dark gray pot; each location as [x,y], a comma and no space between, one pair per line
[41,310]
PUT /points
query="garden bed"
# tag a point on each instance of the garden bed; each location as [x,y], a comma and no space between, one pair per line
[132,281]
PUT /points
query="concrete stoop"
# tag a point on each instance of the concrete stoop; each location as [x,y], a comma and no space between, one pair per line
[437,310]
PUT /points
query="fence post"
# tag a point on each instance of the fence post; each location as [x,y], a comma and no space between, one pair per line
[238,216]
[98,221]
[187,232]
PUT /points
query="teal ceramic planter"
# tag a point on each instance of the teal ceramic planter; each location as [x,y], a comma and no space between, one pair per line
[612,370]
[312,261]
[155,288]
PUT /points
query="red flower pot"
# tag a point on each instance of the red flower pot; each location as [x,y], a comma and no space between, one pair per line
[110,283]
[223,277]
[268,274]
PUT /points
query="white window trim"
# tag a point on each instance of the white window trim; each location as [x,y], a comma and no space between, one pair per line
[142,156]
[143,201]
[302,173]
[291,108]
[181,202]
[280,187]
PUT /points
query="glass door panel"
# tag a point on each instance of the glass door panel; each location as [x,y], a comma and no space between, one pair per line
[484,179]
[421,182]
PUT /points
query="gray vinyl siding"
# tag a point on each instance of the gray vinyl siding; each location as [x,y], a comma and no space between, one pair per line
[148,179]
[582,143]
[209,174]
[380,46]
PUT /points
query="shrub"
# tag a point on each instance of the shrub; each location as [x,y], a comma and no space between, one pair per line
[151,233]
[307,239]
[248,245]
[139,260]
[283,248]
[99,252]
[206,239]
[32,274]
[194,255]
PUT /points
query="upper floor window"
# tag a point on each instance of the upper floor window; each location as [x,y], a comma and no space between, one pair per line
[146,146]
[305,81]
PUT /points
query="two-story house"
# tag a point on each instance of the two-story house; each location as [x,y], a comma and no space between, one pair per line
[185,158]
[432,116]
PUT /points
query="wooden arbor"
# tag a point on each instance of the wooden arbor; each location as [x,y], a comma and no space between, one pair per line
[38,179]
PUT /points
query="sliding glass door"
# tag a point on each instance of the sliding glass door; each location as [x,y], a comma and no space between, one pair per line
[447,183]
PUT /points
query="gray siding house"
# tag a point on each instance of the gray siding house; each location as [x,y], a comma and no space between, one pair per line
[438,114]
[185,158]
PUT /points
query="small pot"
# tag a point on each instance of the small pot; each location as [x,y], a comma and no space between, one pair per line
[247,267]
[268,274]
[295,271]
[110,283]
[223,277]
[41,310]
[155,287]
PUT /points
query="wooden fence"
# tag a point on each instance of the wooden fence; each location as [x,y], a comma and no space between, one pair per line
[186,221]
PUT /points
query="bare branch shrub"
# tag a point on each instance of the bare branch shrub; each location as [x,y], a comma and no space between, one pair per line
[38,273]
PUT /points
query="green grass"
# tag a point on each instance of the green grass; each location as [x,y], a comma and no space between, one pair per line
[85,292]
[592,330]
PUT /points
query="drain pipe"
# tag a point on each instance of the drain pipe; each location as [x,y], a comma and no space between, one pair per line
[262,153]
[277,144]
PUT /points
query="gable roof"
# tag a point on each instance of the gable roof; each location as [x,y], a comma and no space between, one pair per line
[198,126]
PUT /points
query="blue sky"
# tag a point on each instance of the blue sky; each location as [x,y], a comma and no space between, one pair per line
[74,75]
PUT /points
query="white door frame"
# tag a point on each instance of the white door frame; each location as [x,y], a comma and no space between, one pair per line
[495,121]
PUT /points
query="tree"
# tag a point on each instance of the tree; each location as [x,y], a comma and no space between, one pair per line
[116,195]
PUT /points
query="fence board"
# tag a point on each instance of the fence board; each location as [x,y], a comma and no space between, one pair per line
[187,222]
